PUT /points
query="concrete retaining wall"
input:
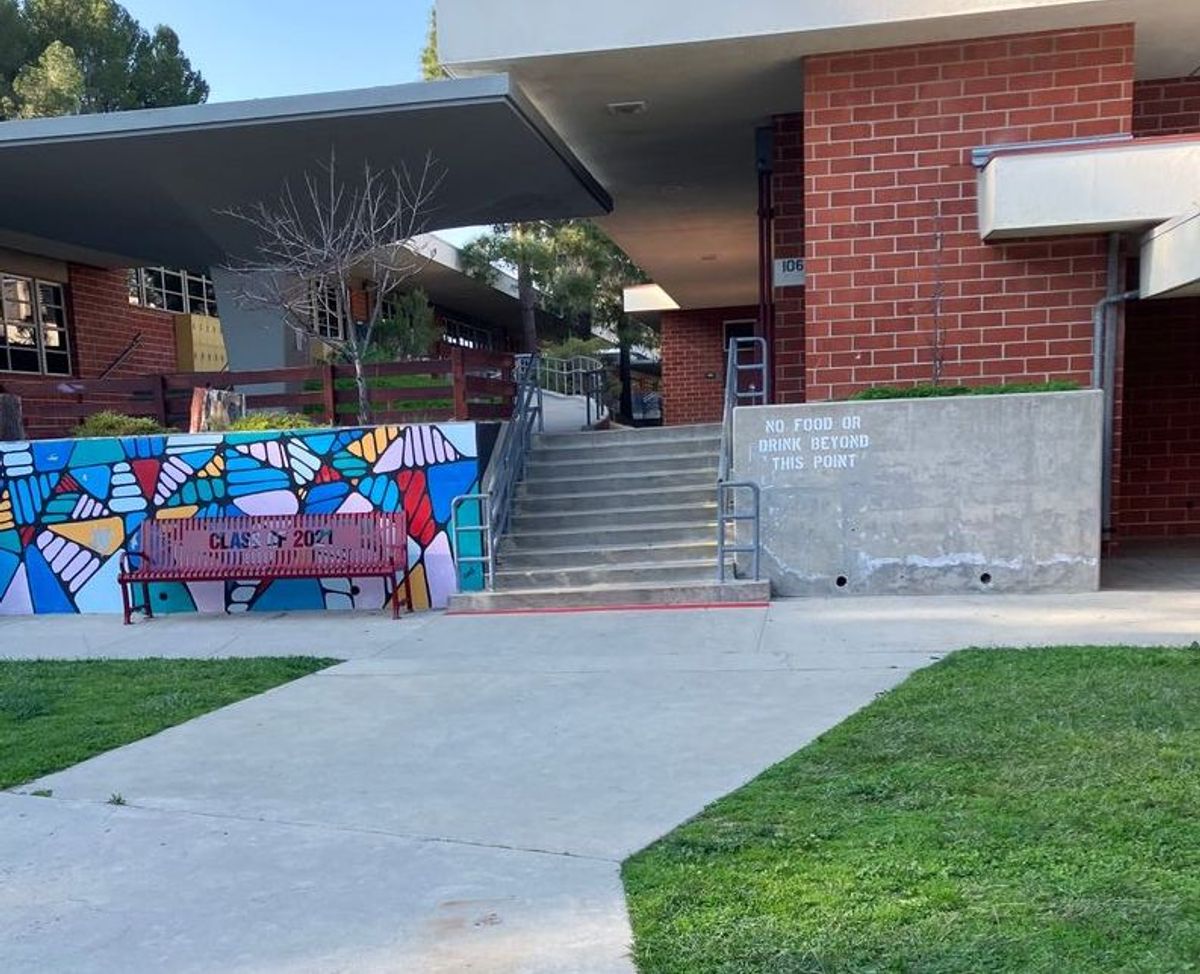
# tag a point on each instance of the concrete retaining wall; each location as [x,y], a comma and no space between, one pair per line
[922,496]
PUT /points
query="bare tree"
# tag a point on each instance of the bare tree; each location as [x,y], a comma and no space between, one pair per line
[324,241]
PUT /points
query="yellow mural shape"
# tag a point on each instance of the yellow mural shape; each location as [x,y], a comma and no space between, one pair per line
[215,467]
[104,536]
[177,513]
[420,588]
[371,446]
[6,513]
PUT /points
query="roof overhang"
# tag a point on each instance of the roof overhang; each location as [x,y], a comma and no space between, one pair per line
[1059,189]
[1136,186]
[150,186]
[682,170]
[1171,258]
[446,283]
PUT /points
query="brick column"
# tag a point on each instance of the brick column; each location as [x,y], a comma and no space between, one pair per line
[900,287]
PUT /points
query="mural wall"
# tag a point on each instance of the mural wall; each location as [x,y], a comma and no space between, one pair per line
[67,508]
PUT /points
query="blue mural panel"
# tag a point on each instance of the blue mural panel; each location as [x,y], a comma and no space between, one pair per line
[68,509]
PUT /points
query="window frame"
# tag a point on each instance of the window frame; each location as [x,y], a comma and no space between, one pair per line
[327,324]
[158,288]
[62,326]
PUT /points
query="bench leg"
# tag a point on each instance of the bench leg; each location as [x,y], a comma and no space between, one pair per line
[149,609]
[125,606]
[408,592]
[395,595]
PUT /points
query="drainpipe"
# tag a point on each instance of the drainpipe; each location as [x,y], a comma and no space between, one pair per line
[1104,367]
[764,144]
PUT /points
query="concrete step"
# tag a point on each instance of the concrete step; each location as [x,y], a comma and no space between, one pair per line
[600,596]
[640,573]
[597,501]
[654,434]
[616,535]
[643,462]
[510,559]
[590,449]
[622,482]
[585,516]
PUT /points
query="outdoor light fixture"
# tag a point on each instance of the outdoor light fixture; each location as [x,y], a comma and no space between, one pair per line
[626,107]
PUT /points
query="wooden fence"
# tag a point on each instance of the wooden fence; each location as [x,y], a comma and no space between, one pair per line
[462,384]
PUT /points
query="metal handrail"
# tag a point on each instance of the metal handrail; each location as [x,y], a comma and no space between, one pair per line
[757,393]
[493,504]
[581,376]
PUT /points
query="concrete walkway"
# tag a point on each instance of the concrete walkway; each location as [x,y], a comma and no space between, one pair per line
[459,795]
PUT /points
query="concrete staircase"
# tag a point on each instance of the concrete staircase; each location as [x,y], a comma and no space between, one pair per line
[620,517]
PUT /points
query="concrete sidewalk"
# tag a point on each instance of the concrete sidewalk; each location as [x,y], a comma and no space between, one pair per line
[459,795]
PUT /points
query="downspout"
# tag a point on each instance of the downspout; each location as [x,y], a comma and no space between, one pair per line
[764,139]
[1104,368]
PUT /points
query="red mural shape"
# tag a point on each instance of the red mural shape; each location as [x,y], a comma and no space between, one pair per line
[417,506]
[146,472]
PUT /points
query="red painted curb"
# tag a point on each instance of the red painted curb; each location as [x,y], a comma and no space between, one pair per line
[565,610]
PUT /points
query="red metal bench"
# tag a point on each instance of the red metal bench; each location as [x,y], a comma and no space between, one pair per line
[371,545]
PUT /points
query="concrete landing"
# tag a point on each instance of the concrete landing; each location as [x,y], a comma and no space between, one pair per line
[640,593]
[459,796]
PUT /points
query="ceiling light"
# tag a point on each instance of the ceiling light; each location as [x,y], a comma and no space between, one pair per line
[626,107]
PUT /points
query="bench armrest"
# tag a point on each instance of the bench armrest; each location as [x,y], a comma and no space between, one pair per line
[127,562]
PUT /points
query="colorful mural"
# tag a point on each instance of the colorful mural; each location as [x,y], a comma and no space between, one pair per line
[68,507]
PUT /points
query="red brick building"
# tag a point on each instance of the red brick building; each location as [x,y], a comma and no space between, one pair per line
[964,183]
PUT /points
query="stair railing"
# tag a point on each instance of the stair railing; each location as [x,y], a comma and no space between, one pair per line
[492,506]
[581,376]
[746,384]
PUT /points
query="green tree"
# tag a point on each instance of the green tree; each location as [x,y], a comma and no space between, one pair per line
[568,267]
[162,76]
[407,330]
[120,64]
[528,249]
[16,46]
[52,85]
[431,64]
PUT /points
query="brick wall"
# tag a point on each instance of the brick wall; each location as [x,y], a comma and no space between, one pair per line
[787,193]
[104,323]
[693,363]
[1170,106]
[898,277]
[1158,493]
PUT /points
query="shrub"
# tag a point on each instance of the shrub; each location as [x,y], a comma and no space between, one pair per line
[261,421]
[572,346]
[930,391]
[110,423]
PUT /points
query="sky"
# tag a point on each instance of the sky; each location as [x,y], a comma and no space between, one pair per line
[261,48]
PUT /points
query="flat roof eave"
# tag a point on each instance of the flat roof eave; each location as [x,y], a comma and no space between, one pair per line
[149,186]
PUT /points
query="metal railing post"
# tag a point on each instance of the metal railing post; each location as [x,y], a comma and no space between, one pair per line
[727,490]
[508,466]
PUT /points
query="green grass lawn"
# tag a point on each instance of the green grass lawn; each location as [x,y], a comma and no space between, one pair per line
[57,713]
[1033,810]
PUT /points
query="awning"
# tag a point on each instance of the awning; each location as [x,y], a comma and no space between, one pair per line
[148,186]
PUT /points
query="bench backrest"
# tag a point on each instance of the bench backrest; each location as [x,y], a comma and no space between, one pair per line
[267,544]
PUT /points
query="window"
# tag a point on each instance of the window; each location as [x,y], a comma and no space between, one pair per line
[463,333]
[177,291]
[739,328]
[327,322]
[34,333]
